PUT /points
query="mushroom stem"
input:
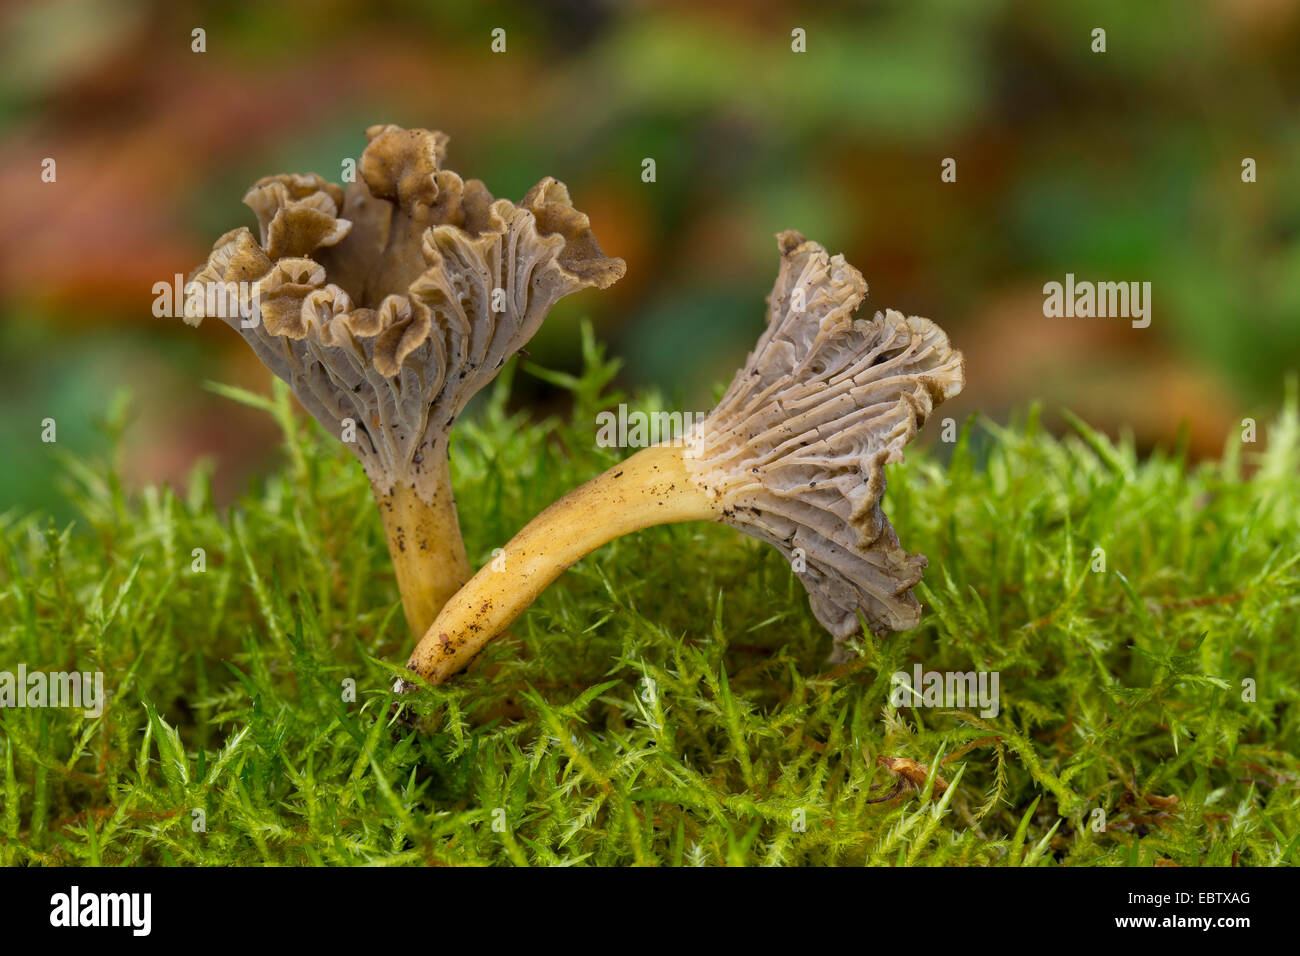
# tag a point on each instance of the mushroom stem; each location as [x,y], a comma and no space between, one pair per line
[426,547]
[649,488]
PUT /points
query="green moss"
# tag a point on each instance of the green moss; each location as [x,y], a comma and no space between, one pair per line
[668,700]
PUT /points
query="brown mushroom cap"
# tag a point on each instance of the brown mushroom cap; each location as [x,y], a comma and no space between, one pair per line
[393,302]
[795,451]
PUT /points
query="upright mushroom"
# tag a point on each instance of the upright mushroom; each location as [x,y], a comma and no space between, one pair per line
[387,306]
[794,455]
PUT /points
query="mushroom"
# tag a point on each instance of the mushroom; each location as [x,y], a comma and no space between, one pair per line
[387,306]
[794,455]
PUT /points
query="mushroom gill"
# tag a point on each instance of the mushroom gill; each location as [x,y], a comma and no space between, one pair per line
[794,454]
[387,306]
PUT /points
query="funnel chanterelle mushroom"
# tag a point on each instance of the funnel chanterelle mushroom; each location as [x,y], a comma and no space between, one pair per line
[391,304]
[794,455]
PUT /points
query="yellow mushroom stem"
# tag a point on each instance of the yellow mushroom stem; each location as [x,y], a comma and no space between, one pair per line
[651,487]
[426,547]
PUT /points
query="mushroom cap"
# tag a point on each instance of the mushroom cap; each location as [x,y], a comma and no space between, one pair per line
[394,301]
[796,449]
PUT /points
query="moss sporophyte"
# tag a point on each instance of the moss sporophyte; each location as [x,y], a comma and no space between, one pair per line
[794,455]
[387,306]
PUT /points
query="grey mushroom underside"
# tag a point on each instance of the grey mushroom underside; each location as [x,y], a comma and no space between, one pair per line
[798,444]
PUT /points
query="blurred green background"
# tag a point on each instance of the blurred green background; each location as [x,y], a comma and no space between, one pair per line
[1122,166]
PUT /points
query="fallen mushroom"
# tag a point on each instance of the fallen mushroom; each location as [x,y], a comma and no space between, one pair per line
[387,307]
[794,455]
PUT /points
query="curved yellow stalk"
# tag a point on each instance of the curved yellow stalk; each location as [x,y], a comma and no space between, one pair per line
[649,488]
